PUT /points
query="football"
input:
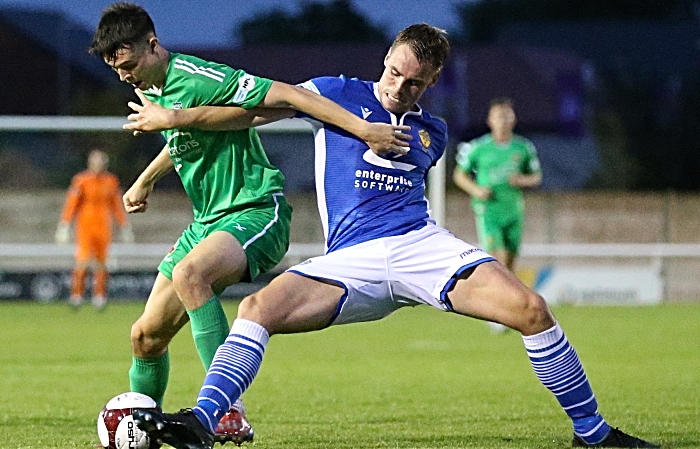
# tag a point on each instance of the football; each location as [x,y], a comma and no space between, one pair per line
[115,425]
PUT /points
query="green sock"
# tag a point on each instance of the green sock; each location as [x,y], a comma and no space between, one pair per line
[209,328]
[150,376]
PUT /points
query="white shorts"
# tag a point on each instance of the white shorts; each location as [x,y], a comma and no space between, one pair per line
[383,275]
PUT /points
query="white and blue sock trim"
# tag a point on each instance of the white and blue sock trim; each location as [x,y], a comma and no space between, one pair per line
[558,367]
[233,369]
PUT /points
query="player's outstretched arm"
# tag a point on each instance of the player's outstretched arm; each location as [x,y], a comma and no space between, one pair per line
[136,198]
[227,118]
[524,181]
[149,116]
[466,183]
[382,138]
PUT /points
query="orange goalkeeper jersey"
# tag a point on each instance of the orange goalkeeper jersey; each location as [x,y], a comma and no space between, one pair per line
[93,201]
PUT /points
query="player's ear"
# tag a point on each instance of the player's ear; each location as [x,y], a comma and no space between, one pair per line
[435,79]
[153,43]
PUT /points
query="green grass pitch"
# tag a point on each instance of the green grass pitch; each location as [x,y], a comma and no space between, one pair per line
[418,379]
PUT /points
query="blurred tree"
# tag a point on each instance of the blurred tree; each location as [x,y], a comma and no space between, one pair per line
[620,105]
[648,132]
[645,122]
[684,135]
[317,22]
[480,20]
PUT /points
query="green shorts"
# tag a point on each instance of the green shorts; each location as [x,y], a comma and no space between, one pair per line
[495,235]
[262,231]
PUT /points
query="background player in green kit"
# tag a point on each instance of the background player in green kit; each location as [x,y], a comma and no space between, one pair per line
[503,163]
[241,219]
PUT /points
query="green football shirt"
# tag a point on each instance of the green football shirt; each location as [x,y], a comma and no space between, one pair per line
[493,163]
[221,171]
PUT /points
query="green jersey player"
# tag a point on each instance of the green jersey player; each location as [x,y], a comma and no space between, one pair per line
[241,219]
[503,164]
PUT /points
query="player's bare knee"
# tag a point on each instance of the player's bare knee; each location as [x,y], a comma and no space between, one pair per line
[537,316]
[147,343]
[137,339]
[144,345]
[186,277]
[257,309]
[250,308]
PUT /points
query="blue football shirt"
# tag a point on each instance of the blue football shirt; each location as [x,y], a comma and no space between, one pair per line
[362,196]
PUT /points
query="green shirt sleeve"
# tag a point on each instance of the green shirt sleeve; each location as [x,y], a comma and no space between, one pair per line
[465,151]
[214,84]
[245,90]
[531,164]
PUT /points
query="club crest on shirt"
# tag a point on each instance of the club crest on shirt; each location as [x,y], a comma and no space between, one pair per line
[177,105]
[424,139]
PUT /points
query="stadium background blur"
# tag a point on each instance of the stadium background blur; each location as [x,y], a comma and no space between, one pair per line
[606,89]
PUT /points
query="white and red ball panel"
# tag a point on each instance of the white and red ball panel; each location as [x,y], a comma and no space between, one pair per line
[116,427]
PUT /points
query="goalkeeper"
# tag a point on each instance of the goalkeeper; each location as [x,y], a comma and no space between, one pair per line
[93,202]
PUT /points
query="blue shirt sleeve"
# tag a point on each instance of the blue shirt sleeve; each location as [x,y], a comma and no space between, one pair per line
[329,86]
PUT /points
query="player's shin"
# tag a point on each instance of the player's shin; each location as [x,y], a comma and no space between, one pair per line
[101,277]
[150,376]
[209,329]
[78,281]
[558,367]
[232,371]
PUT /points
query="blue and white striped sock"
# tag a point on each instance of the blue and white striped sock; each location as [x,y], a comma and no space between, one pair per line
[235,365]
[558,367]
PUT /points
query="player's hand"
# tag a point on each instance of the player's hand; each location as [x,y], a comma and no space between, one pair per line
[148,116]
[482,193]
[136,198]
[127,235]
[518,180]
[62,235]
[384,138]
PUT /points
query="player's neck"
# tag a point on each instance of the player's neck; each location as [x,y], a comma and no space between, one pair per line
[163,63]
[502,137]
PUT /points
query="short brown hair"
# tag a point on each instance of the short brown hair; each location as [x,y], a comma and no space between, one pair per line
[501,101]
[122,25]
[428,43]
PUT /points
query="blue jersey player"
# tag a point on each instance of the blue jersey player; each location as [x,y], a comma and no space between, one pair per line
[383,252]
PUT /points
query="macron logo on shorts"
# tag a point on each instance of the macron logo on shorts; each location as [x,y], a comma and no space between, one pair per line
[468,252]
